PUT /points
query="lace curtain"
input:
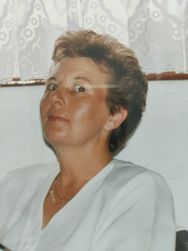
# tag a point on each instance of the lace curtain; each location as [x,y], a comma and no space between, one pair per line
[157,30]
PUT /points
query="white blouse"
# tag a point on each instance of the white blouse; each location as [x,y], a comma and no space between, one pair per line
[123,208]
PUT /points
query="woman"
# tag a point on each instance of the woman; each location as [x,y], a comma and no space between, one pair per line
[89,201]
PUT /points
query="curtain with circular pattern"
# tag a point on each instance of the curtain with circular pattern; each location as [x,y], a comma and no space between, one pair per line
[157,30]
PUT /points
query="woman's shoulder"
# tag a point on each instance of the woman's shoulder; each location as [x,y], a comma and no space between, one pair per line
[128,184]
[30,173]
[127,174]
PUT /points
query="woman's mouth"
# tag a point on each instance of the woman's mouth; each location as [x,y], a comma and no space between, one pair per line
[56,118]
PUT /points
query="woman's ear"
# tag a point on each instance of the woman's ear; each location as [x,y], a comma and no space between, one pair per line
[115,120]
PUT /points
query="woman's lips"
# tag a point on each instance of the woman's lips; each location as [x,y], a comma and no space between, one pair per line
[55,117]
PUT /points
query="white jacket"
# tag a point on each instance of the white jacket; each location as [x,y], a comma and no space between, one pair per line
[123,208]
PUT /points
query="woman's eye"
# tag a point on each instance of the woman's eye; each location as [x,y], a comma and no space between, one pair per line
[79,88]
[51,87]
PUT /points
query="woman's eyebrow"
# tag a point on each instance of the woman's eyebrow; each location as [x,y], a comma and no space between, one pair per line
[89,81]
[51,78]
[83,78]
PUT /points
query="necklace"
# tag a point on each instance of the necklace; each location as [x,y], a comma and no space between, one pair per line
[54,196]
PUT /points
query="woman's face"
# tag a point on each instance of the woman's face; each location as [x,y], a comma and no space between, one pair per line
[73,108]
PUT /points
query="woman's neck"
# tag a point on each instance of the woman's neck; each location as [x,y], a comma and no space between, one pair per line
[80,165]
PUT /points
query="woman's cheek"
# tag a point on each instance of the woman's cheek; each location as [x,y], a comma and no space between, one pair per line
[43,110]
[83,110]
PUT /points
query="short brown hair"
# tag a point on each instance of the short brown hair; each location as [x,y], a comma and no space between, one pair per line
[129,82]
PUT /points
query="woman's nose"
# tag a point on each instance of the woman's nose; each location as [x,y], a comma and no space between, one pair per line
[58,97]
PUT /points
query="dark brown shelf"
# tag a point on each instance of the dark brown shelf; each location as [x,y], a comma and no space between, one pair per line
[171,75]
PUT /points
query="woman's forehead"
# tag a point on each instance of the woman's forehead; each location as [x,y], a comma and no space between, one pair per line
[82,67]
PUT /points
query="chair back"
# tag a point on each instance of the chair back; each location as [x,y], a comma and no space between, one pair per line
[182,240]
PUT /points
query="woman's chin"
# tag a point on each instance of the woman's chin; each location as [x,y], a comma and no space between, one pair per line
[54,138]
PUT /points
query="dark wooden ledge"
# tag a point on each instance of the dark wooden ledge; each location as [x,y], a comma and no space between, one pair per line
[151,77]
[170,75]
[18,82]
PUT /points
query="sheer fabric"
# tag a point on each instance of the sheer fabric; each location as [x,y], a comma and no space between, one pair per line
[157,30]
